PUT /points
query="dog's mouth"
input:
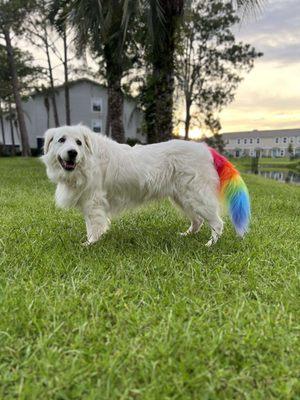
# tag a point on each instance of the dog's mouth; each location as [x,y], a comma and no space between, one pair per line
[67,165]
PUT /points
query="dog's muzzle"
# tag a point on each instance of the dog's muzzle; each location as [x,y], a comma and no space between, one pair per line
[70,164]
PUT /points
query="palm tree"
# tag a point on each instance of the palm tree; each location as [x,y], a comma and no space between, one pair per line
[97,25]
[163,19]
[249,6]
[163,62]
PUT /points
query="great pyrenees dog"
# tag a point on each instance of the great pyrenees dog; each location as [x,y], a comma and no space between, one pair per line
[102,178]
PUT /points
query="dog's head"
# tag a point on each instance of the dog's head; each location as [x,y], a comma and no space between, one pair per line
[66,151]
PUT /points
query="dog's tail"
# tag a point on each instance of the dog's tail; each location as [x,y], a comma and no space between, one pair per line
[233,192]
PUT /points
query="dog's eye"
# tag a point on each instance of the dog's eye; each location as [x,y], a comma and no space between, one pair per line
[79,142]
[62,140]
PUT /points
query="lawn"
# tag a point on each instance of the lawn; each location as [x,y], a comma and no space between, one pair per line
[146,314]
[269,164]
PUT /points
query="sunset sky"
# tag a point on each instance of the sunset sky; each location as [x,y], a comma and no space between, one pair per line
[269,97]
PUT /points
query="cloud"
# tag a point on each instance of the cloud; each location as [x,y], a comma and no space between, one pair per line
[268,98]
[275,32]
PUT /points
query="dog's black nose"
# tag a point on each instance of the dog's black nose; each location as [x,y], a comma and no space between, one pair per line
[72,154]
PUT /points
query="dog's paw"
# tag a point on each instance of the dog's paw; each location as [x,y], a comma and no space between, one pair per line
[210,242]
[87,243]
[183,234]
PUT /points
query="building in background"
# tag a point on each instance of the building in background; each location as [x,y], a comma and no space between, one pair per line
[88,103]
[275,143]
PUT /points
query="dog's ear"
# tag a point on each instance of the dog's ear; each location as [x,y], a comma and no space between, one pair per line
[48,138]
[88,142]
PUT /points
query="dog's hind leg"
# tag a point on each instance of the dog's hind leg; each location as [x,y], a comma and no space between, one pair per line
[209,210]
[199,206]
[188,210]
[195,226]
[216,225]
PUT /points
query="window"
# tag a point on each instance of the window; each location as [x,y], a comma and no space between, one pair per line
[245,141]
[251,141]
[97,125]
[258,140]
[96,104]
[291,140]
[238,141]
[277,140]
[282,153]
[284,140]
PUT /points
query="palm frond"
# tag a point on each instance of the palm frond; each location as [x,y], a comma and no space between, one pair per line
[156,23]
[250,7]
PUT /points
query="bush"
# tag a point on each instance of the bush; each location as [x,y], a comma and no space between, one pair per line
[132,142]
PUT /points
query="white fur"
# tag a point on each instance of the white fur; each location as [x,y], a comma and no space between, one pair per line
[110,177]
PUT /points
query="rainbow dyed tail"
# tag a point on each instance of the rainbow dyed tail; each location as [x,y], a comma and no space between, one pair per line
[234,192]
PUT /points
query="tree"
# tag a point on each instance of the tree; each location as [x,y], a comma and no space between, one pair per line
[290,151]
[57,20]
[2,124]
[163,20]
[12,15]
[160,22]
[11,123]
[97,26]
[216,141]
[46,29]
[28,76]
[210,62]
[38,32]
[249,6]
[163,62]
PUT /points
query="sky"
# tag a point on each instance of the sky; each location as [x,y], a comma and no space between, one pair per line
[269,96]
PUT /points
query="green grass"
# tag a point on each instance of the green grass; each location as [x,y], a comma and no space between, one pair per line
[146,314]
[275,164]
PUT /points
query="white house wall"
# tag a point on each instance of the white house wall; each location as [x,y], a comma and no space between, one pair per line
[81,95]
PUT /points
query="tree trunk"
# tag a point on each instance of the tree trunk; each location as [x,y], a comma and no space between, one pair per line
[163,67]
[2,126]
[107,122]
[115,103]
[148,103]
[149,116]
[47,106]
[66,83]
[52,89]
[164,88]
[187,118]
[13,152]
[16,91]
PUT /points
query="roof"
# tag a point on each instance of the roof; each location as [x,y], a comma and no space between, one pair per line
[40,92]
[263,134]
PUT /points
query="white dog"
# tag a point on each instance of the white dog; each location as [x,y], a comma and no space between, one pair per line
[102,178]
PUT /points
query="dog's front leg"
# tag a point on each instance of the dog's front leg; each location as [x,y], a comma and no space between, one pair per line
[97,223]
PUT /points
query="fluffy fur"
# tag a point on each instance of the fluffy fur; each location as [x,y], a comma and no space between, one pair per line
[107,178]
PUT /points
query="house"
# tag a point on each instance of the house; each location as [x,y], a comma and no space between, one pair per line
[273,143]
[88,103]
